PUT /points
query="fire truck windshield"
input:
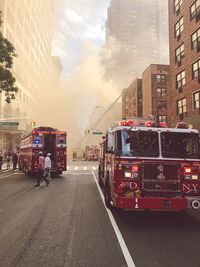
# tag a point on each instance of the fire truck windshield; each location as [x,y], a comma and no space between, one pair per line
[180,145]
[140,143]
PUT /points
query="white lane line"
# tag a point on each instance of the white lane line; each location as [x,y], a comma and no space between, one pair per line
[67,167]
[94,168]
[1,178]
[85,168]
[79,173]
[76,168]
[119,236]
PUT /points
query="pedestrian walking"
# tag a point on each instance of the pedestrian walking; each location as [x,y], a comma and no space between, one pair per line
[47,165]
[1,161]
[41,168]
[8,159]
[14,160]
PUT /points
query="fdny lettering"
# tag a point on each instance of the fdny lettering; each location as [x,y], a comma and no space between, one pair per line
[191,187]
[133,185]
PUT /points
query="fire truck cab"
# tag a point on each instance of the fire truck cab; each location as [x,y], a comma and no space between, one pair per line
[150,168]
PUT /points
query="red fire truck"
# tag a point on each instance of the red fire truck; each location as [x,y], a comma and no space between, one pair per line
[47,140]
[91,153]
[150,168]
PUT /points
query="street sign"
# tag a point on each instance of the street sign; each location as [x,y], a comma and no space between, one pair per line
[97,132]
[9,123]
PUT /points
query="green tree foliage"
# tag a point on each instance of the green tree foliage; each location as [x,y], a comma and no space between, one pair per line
[7,55]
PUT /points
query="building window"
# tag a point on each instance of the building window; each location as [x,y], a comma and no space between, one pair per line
[180,79]
[161,78]
[162,118]
[161,92]
[194,9]
[162,104]
[180,52]
[181,106]
[179,27]
[195,39]
[177,5]
[196,100]
[196,69]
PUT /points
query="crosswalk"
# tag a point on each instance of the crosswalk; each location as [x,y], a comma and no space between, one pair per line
[81,168]
[70,168]
[4,170]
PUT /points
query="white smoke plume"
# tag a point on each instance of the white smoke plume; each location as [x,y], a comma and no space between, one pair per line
[78,41]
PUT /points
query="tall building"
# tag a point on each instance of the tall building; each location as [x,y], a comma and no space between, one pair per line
[29,26]
[137,36]
[184,93]
[155,86]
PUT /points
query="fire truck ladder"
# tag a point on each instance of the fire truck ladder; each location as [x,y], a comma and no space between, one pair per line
[100,119]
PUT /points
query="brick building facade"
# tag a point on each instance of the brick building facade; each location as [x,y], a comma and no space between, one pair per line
[184,38]
[155,80]
[132,100]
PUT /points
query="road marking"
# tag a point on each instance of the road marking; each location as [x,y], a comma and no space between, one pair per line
[76,168]
[119,236]
[1,178]
[78,173]
[85,168]
[94,168]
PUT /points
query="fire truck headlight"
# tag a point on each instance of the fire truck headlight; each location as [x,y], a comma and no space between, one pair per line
[195,177]
[128,175]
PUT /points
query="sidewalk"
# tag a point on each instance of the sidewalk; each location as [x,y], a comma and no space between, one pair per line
[4,167]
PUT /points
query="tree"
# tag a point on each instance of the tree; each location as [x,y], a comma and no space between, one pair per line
[7,55]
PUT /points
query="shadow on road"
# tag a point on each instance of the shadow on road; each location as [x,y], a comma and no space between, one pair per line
[157,220]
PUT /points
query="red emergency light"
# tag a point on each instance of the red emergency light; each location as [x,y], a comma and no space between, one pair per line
[150,123]
[163,124]
[135,168]
[126,123]
[188,170]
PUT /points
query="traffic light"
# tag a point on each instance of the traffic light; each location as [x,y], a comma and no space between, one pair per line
[33,124]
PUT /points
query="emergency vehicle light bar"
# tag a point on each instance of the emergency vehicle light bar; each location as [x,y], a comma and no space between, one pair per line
[46,132]
[125,122]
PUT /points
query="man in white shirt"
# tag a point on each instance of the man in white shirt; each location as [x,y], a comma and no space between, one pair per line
[47,165]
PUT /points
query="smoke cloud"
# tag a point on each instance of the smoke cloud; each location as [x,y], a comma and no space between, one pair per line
[78,41]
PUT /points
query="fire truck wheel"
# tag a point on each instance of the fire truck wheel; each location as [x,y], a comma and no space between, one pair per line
[27,172]
[107,196]
[100,182]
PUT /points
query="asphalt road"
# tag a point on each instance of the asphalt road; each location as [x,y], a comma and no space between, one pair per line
[66,224]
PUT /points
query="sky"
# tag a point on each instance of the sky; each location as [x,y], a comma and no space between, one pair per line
[79,38]
[78,22]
